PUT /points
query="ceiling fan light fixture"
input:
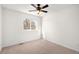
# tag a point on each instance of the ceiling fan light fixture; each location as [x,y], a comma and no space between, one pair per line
[39,8]
[40,13]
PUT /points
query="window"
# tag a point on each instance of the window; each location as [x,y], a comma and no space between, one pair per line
[29,24]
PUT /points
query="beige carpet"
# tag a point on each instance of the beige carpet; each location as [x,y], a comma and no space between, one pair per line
[37,47]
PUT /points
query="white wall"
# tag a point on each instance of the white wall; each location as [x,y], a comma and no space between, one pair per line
[13,31]
[0,25]
[61,25]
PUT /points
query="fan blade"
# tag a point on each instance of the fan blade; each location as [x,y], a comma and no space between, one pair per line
[45,6]
[32,10]
[33,5]
[38,5]
[44,11]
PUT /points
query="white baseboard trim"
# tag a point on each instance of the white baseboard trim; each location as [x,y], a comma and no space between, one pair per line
[64,46]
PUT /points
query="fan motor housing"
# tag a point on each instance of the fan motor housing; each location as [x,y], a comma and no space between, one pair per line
[38,8]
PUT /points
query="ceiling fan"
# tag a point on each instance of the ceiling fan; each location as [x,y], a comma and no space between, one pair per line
[39,8]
